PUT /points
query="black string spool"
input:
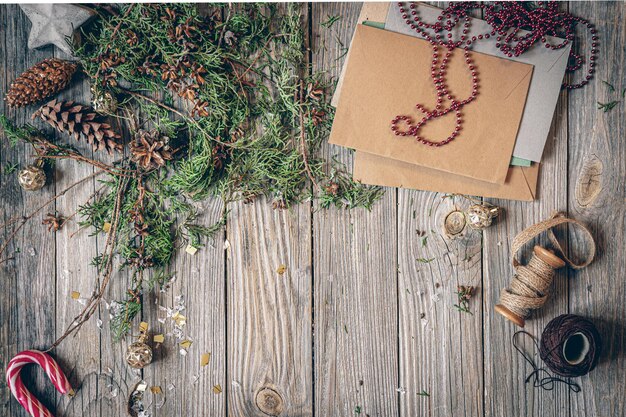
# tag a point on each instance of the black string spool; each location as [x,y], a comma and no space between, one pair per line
[570,345]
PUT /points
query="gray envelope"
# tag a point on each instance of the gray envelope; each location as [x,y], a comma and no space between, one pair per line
[544,87]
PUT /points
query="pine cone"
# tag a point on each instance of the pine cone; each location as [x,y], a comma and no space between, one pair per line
[40,82]
[149,150]
[78,120]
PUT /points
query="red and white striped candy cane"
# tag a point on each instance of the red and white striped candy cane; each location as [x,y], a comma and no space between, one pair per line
[19,391]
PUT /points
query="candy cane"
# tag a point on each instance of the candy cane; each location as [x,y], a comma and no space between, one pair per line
[19,391]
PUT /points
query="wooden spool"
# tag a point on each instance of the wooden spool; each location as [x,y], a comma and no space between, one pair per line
[548,257]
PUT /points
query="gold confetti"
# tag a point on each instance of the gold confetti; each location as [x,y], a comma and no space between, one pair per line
[156,390]
[75,295]
[143,327]
[179,319]
[106,227]
[281,269]
[185,344]
[191,250]
[158,338]
[204,359]
[217,389]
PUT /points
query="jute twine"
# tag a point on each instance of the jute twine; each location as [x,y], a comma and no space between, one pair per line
[531,283]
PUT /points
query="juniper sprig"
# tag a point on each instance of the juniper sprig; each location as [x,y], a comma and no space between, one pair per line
[233,110]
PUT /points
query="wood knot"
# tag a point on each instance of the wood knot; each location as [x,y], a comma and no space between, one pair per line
[454,224]
[589,182]
[269,401]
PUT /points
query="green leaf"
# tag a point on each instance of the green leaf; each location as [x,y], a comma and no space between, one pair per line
[424,260]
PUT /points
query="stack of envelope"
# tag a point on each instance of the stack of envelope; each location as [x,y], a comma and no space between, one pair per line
[497,154]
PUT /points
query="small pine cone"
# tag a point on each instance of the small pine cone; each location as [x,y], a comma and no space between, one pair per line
[80,121]
[40,82]
[150,151]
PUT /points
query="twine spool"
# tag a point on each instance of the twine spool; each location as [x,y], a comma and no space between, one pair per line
[570,345]
[531,284]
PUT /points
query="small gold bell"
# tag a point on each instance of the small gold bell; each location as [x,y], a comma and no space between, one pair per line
[103,101]
[33,177]
[480,216]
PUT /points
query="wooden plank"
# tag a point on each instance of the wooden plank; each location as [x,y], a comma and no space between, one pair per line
[440,346]
[597,173]
[200,280]
[75,251]
[28,281]
[355,271]
[504,369]
[269,313]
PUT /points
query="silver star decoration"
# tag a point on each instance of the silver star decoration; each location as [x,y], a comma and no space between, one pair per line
[53,23]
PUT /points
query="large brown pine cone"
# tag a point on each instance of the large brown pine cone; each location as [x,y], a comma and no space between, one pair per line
[40,82]
[80,121]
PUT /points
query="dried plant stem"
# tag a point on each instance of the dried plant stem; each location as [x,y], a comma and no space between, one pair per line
[155,102]
[43,146]
[107,272]
[307,167]
[256,58]
[181,114]
[98,191]
[25,219]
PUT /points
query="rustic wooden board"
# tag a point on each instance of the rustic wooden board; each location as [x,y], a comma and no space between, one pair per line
[597,196]
[75,249]
[269,314]
[27,282]
[437,342]
[355,272]
[356,323]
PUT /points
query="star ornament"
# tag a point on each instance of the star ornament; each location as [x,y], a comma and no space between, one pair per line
[53,23]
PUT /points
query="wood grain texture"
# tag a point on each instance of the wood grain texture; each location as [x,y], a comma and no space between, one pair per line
[437,342]
[80,356]
[269,316]
[438,352]
[28,280]
[504,368]
[199,279]
[363,319]
[597,165]
[355,265]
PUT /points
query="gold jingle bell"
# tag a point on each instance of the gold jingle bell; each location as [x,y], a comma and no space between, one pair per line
[139,354]
[103,101]
[480,216]
[33,177]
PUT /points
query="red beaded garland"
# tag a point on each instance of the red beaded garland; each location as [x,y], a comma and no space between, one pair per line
[506,20]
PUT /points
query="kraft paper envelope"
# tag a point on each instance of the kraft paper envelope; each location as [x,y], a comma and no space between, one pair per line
[520,184]
[389,73]
[374,12]
[544,89]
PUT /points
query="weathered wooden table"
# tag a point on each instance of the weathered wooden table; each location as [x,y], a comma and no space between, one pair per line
[357,325]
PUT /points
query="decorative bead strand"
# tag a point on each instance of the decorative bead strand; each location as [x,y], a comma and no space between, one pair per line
[506,19]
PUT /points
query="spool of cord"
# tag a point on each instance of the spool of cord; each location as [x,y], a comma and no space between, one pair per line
[531,284]
[570,345]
